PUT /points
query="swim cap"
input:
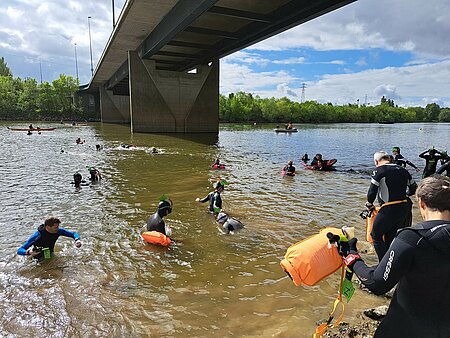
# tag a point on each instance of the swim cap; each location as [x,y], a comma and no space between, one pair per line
[221,217]
[165,205]
[396,149]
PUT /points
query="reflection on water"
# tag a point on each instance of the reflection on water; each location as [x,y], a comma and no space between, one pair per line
[206,283]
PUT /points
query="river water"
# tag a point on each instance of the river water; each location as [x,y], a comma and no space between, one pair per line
[206,284]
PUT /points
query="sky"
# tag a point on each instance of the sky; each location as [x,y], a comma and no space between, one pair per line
[368,49]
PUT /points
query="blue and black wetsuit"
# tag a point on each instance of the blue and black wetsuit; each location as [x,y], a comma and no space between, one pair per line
[44,239]
[389,183]
[419,261]
[215,201]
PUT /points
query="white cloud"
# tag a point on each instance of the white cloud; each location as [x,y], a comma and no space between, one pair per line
[284,89]
[388,91]
[290,61]
[14,13]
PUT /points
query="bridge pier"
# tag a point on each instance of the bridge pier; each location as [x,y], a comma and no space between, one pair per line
[114,108]
[167,101]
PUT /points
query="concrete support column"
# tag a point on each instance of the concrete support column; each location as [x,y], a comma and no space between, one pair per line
[163,101]
[114,108]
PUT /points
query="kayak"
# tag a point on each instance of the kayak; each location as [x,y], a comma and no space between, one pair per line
[284,130]
[327,167]
[32,129]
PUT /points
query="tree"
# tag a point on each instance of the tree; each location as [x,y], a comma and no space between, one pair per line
[4,69]
[432,111]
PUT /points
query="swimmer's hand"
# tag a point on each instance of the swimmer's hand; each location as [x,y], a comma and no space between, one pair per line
[197,199]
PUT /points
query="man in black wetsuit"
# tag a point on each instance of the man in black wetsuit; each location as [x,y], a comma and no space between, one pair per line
[389,183]
[431,161]
[400,160]
[289,169]
[156,222]
[215,201]
[419,261]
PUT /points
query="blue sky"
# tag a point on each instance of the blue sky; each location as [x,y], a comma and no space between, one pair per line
[360,52]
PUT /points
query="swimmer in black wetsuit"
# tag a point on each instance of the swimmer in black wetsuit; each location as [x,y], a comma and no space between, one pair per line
[317,161]
[95,175]
[289,169]
[389,184]
[156,222]
[214,198]
[445,165]
[228,224]
[431,161]
[45,238]
[400,160]
[418,262]
[305,158]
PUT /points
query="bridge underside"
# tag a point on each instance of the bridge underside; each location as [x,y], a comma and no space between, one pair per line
[164,101]
[142,75]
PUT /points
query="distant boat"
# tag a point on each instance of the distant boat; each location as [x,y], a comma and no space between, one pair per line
[284,130]
[31,129]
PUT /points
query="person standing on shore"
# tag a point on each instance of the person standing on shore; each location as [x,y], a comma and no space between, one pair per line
[389,184]
[419,261]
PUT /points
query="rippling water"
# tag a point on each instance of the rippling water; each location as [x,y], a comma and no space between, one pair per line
[206,284]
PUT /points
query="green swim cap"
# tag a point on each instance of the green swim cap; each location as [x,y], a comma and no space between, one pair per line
[397,149]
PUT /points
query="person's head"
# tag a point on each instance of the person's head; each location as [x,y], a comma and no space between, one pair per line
[221,217]
[396,150]
[433,195]
[381,157]
[290,162]
[432,151]
[219,186]
[318,156]
[52,224]
[77,178]
[165,207]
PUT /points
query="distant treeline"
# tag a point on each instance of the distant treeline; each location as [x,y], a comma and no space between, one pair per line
[25,99]
[244,107]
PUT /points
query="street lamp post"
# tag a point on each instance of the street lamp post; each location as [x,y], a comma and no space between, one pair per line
[76,60]
[90,44]
[114,19]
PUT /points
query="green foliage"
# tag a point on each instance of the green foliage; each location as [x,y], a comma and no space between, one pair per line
[243,107]
[4,69]
[28,100]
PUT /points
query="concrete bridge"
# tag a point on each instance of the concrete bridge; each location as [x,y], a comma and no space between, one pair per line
[159,71]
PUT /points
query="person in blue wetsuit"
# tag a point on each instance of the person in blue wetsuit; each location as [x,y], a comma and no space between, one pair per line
[214,198]
[418,261]
[400,160]
[431,161]
[156,222]
[45,238]
[390,184]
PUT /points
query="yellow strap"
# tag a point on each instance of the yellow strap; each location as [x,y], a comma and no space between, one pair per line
[322,328]
[393,202]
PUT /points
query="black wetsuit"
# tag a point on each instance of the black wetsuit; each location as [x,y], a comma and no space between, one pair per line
[389,183]
[445,167]
[156,223]
[401,161]
[430,164]
[215,201]
[289,169]
[421,266]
